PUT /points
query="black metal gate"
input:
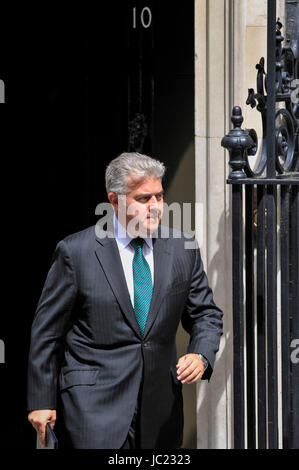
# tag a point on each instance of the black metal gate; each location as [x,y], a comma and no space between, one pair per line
[265,212]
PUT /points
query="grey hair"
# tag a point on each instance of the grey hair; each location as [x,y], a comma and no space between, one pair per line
[135,164]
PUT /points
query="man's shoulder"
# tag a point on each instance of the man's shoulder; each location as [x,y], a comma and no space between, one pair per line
[83,236]
[173,235]
[182,244]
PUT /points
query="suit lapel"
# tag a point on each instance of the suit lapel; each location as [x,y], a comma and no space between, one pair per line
[109,258]
[162,253]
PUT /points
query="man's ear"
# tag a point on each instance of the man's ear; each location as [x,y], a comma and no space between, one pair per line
[113,199]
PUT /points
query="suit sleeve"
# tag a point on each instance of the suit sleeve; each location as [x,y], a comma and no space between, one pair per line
[201,318]
[51,322]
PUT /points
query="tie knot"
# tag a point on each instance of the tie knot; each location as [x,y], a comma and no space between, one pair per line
[137,243]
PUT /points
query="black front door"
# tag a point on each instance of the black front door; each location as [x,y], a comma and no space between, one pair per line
[81,86]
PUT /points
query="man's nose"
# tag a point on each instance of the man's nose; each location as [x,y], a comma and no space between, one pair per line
[153,205]
[153,202]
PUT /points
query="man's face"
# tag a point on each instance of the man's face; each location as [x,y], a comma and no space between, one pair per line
[142,208]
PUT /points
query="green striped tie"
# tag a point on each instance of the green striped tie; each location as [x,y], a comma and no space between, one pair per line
[143,286]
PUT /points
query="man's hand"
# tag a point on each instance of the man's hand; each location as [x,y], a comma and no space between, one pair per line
[190,368]
[39,420]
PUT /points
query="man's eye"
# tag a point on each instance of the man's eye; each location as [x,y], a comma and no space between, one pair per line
[145,199]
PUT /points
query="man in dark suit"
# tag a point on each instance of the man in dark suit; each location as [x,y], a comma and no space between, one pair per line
[104,332]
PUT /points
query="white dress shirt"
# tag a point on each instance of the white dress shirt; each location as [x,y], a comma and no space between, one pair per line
[126,251]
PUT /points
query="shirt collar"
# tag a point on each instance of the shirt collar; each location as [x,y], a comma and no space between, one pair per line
[123,237]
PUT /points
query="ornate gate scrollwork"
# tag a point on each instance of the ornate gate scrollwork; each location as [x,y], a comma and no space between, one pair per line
[287,117]
[265,247]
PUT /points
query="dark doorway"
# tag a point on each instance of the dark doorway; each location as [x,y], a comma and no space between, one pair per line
[75,83]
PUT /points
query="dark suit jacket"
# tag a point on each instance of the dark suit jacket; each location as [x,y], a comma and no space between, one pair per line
[86,342]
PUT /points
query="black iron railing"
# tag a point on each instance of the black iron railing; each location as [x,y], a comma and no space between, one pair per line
[265,224]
